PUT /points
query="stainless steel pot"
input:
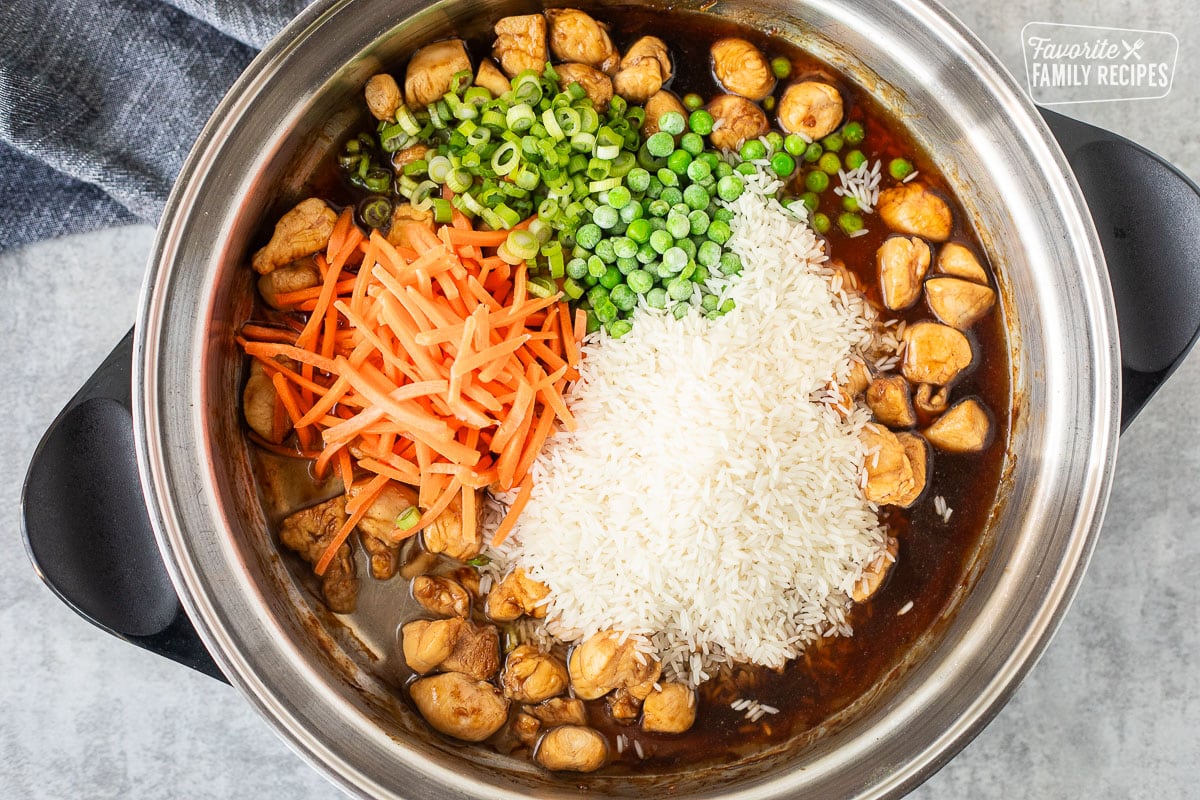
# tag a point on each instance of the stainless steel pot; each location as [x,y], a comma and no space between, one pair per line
[311,678]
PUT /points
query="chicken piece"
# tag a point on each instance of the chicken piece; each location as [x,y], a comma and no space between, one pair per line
[526,728]
[623,706]
[742,69]
[452,535]
[874,574]
[669,709]
[917,451]
[383,96]
[735,119]
[309,532]
[417,561]
[660,103]
[575,36]
[531,676]
[644,69]
[377,529]
[930,402]
[459,706]
[890,475]
[599,87]
[902,264]
[491,78]
[560,711]
[258,403]
[572,748]
[959,303]
[965,428]
[293,277]
[856,383]
[404,215]
[300,232]
[604,662]
[408,155]
[810,108]
[451,645]
[432,69]
[914,208]
[438,594]
[890,400]
[517,594]
[467,577]
[957,260]
[934,353]
[521,44]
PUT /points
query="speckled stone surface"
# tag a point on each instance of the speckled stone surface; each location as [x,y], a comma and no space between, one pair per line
[1110,711]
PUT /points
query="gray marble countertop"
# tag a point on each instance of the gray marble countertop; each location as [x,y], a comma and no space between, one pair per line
[1110,711]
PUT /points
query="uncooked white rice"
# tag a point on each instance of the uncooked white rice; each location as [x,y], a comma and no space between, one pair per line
[710,502]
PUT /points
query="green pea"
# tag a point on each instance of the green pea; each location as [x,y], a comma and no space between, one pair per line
[854,133]
[699,220]
[605,251]
[640,281]
[672,195]
[708,254]
[783,164]
[855,159]
[605,216]
[698,171]
[639,231]
[611,278]
[658,208]
[810,201]
[588,235]
[661,241]
[812,152]
[830,163]
[849,203]
[833,142]
[794,144]
[768,103]
[637,179]
[816,181]
[850,222]
[701,122]
[624,247]
[731,263]
[623,297]
[709,302]
[618,328]
[730,188]
[678,225]
[719,231]
[693,143]
[631,212]
[820,222]
[660,144]
[669,177]
[619,197]
[753,150]
[695,197]
[577,268]
[671,122]
[679,161]
[692,101]
[781,67]
[597,267]
[657,297]
[679,289]
[900,168]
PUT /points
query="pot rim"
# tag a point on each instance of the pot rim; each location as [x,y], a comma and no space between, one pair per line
[176,531]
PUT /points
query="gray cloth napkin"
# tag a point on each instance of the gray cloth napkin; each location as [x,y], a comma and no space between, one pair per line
[100,101]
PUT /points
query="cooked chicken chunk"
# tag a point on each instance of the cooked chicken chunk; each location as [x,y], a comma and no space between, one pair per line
[383,96]
[856,383]
[892,476]
[596,84]
[526,728]
[604,662]
[458,706]
[491,78]
[451,534]
[300,232]
[735,119]
[957,302]
[531,676]
[913,208]
[623,706]
[575,36]
[521,44]
[516,595]
[890,400]
[572,748]
[660,103]
[301,274]
[431,70]
[560,711]
[258,403]
[404,215]
[931,400]
[934,353]
[917,451]
[742,69]
[309,533]
[874,574]
[408,155]
[451,645]
[957,260]
[644,69]
[902,264]
[468,578]
[417,560]
[669,709]
[965,428]
[378,529]
[810,108]
[438,594]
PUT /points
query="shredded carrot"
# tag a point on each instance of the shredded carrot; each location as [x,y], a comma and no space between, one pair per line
[428,365]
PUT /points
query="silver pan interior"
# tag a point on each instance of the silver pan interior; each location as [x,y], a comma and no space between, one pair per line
[308,677]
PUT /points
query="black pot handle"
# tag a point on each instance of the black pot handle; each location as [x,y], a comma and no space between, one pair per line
[1147,214]
[89,536]
[86,528]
